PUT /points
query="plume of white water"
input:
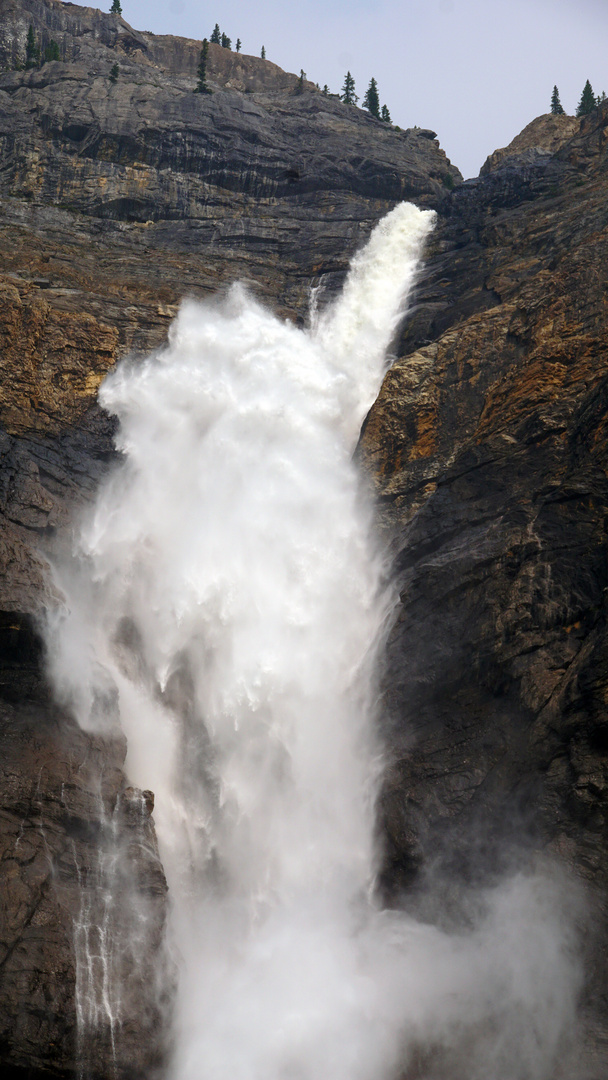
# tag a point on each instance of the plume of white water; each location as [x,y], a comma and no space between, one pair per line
[227,585]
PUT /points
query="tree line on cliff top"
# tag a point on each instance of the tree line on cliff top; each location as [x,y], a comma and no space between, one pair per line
[35,57]
[588,101]
[371,101]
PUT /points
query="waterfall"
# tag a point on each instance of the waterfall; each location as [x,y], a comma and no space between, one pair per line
[223,604]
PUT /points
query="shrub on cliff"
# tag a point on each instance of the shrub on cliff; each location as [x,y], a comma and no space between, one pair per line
[238,44]
[587,103]
[114,73]
[556,105]
[226,42]
[116,8]
[385,115]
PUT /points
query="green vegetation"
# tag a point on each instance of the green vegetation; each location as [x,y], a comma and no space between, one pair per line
[348,95]
[116,8]
[114,73]
[588,102]
[51,52]
[371,101]
[216,37]
[556,105]
[32,51]
[226,42]
[448,181]
[263,53]
[300,86]
[326,89]
[201,86]
[385,115]
[238,44]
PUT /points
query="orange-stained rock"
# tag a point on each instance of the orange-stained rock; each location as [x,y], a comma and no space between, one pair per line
[51,362]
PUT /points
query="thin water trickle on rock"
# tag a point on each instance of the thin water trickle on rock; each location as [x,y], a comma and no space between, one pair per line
[224,604]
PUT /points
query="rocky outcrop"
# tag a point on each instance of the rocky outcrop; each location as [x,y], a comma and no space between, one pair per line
[543,137]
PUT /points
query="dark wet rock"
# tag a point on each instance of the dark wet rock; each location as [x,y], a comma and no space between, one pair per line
[66,845]
[488,451]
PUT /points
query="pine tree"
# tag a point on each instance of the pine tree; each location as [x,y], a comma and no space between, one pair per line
[326,89]
[114,72]
[371,101]
[216,37]
[116,8]
[201,86]
[51,52]
[263,53]
[385,115]
[238,44]
[32,51]
[587,103]
[556,105]
[348,95]
[300,86]
[600,98]
[226,42]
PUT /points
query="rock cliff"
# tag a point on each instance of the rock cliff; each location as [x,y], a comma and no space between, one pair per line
[486,448]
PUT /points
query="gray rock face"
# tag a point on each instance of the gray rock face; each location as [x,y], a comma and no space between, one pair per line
[544,136]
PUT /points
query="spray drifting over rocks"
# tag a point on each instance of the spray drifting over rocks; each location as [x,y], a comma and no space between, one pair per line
[224,605]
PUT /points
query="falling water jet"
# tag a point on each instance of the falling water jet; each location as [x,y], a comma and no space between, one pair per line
[228,587]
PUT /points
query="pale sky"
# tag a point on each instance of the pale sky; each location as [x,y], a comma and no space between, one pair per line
[475,72]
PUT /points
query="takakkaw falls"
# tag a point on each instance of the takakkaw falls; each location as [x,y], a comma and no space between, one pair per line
[225,611]
[303,577]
